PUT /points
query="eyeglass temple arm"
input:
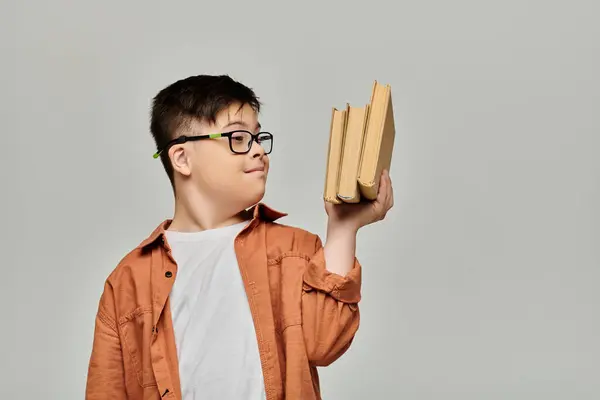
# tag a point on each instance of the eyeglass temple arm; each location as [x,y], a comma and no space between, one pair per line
[183,139]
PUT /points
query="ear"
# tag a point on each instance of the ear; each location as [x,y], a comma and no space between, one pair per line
[181,160]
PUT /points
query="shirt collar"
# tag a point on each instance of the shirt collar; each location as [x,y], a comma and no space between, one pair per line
[260,212]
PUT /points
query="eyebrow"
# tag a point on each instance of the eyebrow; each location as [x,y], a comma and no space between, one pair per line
[242,123]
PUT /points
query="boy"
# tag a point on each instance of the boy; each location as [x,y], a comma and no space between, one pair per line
[222,302]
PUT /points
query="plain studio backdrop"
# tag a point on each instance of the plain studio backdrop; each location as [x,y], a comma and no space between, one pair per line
[482,283]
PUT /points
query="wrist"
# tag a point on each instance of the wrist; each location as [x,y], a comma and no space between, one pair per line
[340,247]
[342,228]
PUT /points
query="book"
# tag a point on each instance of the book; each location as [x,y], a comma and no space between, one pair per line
[337,131]
[379,141]
[361,141]
[348,190]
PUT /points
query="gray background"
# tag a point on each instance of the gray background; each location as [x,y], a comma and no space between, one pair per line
[482,283]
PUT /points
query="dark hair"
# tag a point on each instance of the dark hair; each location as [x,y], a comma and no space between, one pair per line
[199,97]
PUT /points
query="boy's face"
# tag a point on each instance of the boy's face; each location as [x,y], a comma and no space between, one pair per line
[234,181]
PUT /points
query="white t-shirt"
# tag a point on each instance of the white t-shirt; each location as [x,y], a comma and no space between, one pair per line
[214,332]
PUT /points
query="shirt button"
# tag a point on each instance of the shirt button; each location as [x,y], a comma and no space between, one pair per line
[168,274]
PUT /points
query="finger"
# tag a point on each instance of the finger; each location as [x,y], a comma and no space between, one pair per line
[390,199]
[383,178]
[387,185]
[382,190]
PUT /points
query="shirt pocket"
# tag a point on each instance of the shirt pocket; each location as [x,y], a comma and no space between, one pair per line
[138,332]
[286,279]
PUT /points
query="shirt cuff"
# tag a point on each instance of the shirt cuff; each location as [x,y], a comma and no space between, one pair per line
[342,288]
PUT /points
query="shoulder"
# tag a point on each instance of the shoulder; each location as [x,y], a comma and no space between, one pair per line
[285,240]
[132,267]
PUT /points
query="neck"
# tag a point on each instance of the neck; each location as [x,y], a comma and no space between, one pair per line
[195,212]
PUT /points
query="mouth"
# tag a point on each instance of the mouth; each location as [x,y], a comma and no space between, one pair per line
[256,169]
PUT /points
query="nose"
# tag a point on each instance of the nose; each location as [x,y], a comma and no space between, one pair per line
[256,150]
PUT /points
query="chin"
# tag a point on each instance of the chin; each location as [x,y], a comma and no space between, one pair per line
[250,192]
[257,195]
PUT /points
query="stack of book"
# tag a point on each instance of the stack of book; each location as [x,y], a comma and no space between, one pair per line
[361,142]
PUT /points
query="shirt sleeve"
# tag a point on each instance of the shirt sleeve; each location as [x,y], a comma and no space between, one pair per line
[105,378]
[330,313]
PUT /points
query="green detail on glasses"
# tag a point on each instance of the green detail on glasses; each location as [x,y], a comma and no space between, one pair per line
[214,135]
[156,155]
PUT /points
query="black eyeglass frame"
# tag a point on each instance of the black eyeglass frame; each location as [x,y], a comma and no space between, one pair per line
[228,135]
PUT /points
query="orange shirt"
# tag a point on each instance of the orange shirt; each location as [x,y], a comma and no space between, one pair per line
[304,315]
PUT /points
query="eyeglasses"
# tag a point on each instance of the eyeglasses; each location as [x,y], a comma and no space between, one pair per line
[240,141]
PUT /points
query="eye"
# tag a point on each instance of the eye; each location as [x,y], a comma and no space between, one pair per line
[238,137]
[263,138]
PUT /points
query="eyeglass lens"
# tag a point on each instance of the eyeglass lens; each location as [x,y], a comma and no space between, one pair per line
[241,141]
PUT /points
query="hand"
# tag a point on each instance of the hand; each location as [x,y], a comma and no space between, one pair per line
[355,216]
